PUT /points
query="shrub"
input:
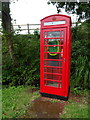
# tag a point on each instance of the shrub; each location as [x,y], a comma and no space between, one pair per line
[80,65]
[26,50]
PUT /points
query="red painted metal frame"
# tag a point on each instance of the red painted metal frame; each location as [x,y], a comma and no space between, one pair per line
[66,55]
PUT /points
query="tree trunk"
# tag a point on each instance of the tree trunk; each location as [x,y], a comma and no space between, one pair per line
[6,23]
[10,48]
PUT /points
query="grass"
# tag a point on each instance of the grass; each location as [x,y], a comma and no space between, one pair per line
[53,101]
[77,109]
[16,100]
[0,103]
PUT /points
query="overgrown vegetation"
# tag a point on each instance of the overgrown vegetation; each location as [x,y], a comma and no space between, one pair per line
[78,107]
[75,110]
[26,51]
[15,101]
[80,67]
[26,68]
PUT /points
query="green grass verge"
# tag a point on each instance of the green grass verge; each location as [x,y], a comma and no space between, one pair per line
[77,109]
[0,104]
[16,100]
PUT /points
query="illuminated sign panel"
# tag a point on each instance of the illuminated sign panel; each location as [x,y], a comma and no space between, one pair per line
[55,23]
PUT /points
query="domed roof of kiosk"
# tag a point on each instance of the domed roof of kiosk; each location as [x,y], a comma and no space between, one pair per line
[56,15]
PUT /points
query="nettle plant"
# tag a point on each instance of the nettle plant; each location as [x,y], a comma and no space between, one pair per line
[80,66]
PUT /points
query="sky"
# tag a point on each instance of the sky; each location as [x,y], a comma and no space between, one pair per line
[31,11]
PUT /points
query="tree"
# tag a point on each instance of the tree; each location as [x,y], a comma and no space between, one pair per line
[82,9]
[6,24]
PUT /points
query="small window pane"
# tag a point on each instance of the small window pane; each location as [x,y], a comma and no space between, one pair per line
[55,63]
[60,85]
[54,34]
[51,83]
[52,76]
[53,70]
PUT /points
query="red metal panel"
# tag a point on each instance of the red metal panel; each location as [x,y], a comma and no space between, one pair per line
[58,17]
[41,61]
[55,59]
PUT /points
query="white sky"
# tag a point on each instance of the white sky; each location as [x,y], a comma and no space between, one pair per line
[31,11]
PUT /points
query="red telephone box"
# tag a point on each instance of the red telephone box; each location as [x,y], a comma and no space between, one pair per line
[55,47]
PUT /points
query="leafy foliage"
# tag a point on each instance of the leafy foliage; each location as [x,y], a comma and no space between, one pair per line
[15,101]
[26,51]
[80,71]
[79,8]
[26,71]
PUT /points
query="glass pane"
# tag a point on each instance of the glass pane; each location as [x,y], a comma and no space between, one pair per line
[45,62]
[45,34]
[48,76]
[53,41]
[57,56]
[45,55]
[45,42]
[53,52]
[52,55]
[55,63]
[62,33]
[53,48]
[54,34]
[51,83]
[52,76]
[60,85]
[53,70]
[45,69]
[57,70]
[45,49]
[56,77]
